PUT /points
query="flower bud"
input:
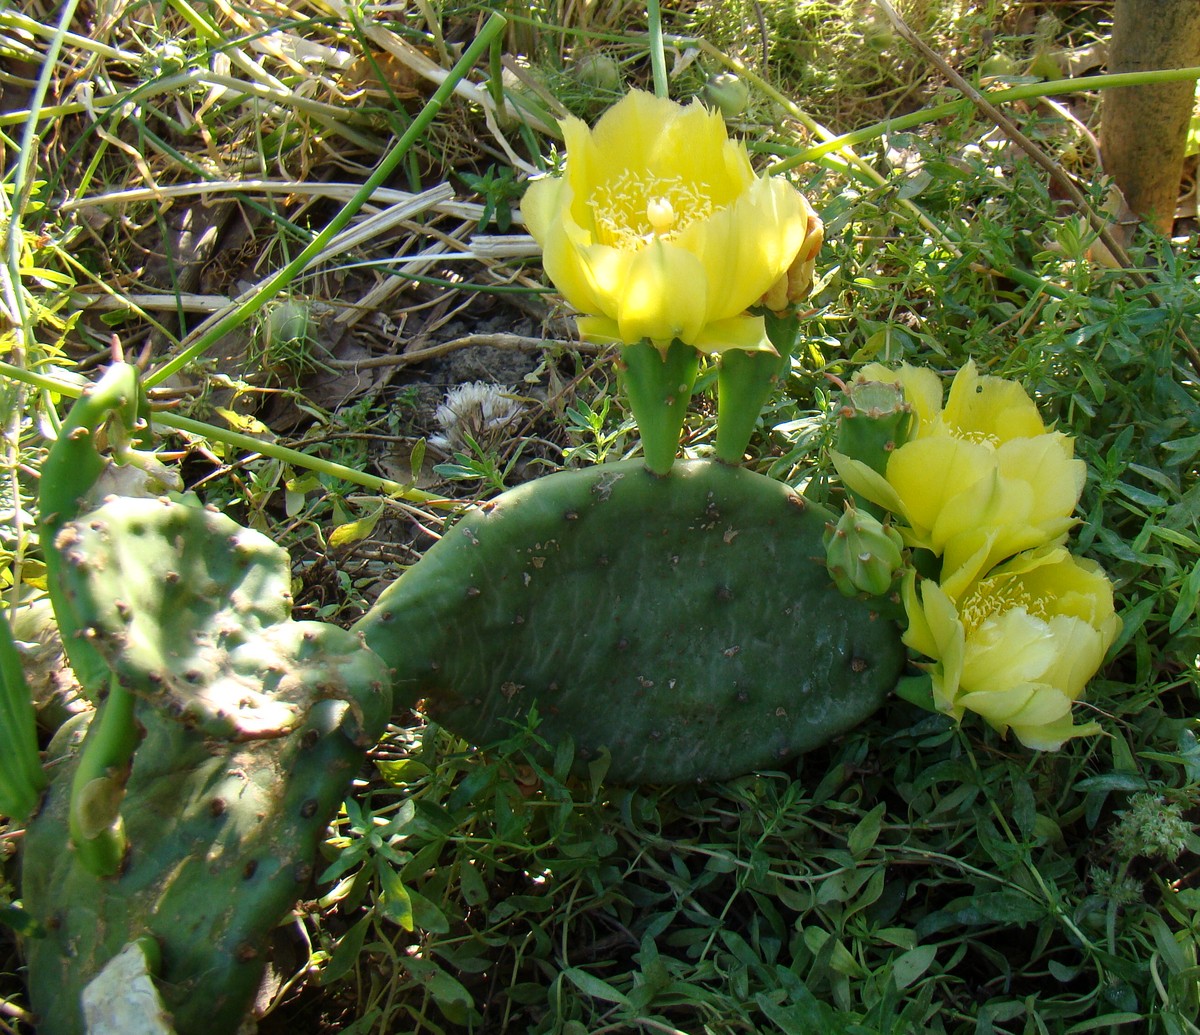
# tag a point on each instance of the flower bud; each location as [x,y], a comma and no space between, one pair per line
[727,93]
[597,70]
[795,285]
[862,553]
[874,418]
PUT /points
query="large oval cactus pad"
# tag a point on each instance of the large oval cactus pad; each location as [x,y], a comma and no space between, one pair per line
[684,623]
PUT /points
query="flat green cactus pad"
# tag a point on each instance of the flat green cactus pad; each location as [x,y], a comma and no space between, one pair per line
[686,623]
[251,728]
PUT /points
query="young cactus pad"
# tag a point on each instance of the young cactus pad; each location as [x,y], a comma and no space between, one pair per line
[684,623]
[250,728]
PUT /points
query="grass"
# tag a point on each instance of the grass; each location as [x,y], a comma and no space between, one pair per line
[912,877]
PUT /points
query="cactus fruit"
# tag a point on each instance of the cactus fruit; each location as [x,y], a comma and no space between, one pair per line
[745,381]
[873,420]
[685,623]
[658,383]
[863,554]
[247,730]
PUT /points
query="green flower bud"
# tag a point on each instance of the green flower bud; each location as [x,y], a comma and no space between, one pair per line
[727,93]
[598,71]
[862,553]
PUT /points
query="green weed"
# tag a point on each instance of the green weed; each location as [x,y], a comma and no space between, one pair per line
[913,877]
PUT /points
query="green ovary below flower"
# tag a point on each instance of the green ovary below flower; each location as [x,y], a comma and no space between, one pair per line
[1018,646]
[982,478]
[661,230]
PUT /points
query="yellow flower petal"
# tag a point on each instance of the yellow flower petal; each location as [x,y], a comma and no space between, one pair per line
[922,390]
[1045,463]
[1011,647]
[540,205]
[748,333]
[1050,736]
[1080,651]
[990,409]
[599,330]
[739,259]
[1025,705]
[867,482]
[928,473]
[664,295]
[660,224]
[941,629]
[1018,642]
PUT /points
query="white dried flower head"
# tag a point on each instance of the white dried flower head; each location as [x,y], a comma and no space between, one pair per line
[1150,827]
[477,409]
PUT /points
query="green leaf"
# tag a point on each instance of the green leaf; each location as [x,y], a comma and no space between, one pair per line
[16,919]
[1112,782]
[416,459]
[1009,907]
[394,900]
[356,530]
[917,690]
[427,915]
[346,952]
[447,992]
[1189,597]
[21,774]
[474,891]
[862,838]
[1167,944]
[402,771]
[1132,619]
[801,1018]
[910,965]
[595,987]
[1109,1020]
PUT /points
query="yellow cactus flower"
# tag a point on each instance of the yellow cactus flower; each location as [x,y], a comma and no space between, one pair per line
[660,229]
[1018,646]
[980,480]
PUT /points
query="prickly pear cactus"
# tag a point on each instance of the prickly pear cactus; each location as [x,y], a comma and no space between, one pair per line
[249,726]
[685,623]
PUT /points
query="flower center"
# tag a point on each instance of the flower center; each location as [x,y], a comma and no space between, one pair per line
[994,597]
[634,208]
[986,438]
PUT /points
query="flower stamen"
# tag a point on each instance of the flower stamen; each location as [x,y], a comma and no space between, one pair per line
[992,597]
[633,209]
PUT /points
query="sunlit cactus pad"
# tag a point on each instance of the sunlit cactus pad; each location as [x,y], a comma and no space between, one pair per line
[251,729]
[686,624]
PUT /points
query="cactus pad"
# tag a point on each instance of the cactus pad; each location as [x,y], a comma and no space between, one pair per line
[252,727]
[685,623]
